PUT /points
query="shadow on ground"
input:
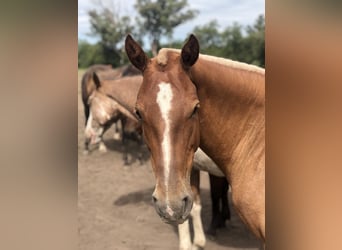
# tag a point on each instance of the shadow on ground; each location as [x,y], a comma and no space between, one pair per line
[235,234]
[135,151]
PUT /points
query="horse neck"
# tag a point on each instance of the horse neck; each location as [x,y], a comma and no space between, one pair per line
[124,91]
[232,100]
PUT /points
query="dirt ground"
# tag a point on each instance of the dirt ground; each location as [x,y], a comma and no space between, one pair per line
[114,203]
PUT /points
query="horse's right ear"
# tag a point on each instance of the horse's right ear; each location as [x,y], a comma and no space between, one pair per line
[135,53]
[96,80]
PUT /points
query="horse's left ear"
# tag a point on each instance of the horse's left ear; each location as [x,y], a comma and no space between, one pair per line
[135,53]
[96,80]
[190,51]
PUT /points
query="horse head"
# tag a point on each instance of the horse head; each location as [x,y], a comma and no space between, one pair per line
[104,111]
[167,106]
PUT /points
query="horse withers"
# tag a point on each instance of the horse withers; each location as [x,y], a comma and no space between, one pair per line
[188,100]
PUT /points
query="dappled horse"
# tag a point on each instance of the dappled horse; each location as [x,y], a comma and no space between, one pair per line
[188,100]
[105,72]
[122,94]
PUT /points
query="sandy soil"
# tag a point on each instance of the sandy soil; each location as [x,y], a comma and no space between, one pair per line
[114,203]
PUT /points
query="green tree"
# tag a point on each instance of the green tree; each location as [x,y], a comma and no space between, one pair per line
[209,38]
[89,54]
[159,17]
[111,29]
[255,41]
[234,44]
[245,44]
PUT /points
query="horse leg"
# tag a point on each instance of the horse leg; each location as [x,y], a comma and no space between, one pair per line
[215,193]
[224,200]
[117,135]
[86,146]
[124,139]
[125,148]
[102,145]
[199,237]
[140,151]
[184,236]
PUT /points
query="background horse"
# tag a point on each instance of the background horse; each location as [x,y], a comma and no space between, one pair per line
[121,94]
[88,86]
[187,100]
[104,111]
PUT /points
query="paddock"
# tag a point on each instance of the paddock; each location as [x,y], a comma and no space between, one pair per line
[114,203]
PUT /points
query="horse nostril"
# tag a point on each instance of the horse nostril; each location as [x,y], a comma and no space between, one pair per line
[154,199]
[185,202]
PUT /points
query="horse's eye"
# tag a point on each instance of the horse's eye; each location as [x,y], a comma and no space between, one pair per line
[138,115]
[194,112]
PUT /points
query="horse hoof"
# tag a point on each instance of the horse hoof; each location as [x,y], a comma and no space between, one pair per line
[211,231]
[117,136]
[195,247]
[103,148]
[211,237]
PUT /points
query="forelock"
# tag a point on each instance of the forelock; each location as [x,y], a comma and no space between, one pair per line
[162,57]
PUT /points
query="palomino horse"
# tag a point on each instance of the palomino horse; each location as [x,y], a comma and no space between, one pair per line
[104,111]
[188,100]
[122,94]
[87,88]
[105,108]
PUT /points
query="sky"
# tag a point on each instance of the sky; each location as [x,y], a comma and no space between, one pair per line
[226,12]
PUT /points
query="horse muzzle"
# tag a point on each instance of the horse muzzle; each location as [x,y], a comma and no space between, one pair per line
[93,136]
[173,211]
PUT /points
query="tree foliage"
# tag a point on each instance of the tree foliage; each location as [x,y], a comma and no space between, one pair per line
[234,42]
[209,38]
[110,28]
[158,18]
[89,54]
[256,41]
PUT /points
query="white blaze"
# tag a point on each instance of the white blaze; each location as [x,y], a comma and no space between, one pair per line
[164,99]
[89,127]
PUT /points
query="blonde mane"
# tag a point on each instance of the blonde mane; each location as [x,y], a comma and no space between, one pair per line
[162,60]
